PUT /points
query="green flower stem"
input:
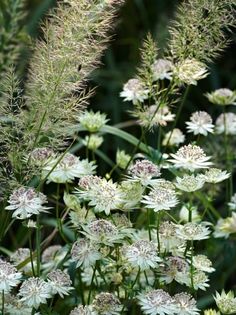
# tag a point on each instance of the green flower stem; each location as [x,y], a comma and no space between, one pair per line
[3,302]
[38,245]
[91,284]
[159,215]
[31,253]
[191,266]
[207,204]
[149,225]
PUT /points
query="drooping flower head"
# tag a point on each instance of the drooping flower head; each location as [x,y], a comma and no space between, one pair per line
[222,96]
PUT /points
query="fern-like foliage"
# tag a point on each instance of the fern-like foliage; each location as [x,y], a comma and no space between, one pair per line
[198,30]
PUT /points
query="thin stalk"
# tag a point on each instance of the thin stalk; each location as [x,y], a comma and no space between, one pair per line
[91,284]
[149,223]
[31,253]
[3,302]
[158,227]
[38,239]
[191,266]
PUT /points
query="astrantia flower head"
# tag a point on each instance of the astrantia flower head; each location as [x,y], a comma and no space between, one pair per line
[222,97]
[34,292]
[83,310]
[154,115]
[162,196]
[107,304]
[13,306]
[226,302]
[59,282]
[184,214]
[190,71]
[144,171]
[174,269]
[199,280]
[41,156]
[131,194]
[173,138]
[25,202]
[193,231]
[225,227]
[215,175]
[190,157]
[52,257]
[190,183]
[91,121]
[156,302]
[68,168]
[135,91]
[122,159]
[232,203]
[142,254]
[104,232]
[103,195]
[169,240]
[9,276]
[19,256]
[226,122]
[93,142]
[185,304]
[200,123]
[201,262]
[85,253]
[162,69]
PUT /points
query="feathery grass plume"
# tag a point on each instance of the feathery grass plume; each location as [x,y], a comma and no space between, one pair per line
[74,37]
[12,33]
[198,30]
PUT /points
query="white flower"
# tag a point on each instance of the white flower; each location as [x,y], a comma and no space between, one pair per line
[40,156]
[91,121]
[174,269]
[135,91]
[225,227]
[222,97]
[9,276]
[190,157]
[226,122]
[169,240]
[201,262]
[193,231]
[13,306]
[83,310]
[85,253]
[185,304]
[59,282]
[52,257]
[107,304]
[173,138]
[154,115]
[226,302]
[131,194]
[142,254]
[66,169]
[211,312]
[190,183]
[156,302]
[25,202]
[199,280]
[190,71]
[104,232]
[200,123]
[103,195]
[162,196]
[232,203]
[144,171]
[184,214]
[20,255]
[162,69]
[34,292]
[215,175]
